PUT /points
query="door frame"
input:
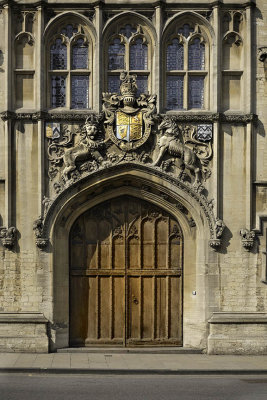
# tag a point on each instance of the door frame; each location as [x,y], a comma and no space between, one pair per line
[141,273]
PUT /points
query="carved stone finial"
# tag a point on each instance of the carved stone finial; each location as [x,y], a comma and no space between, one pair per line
[219,227]
[38,227]
[262,53]
[247,238]
[8,236]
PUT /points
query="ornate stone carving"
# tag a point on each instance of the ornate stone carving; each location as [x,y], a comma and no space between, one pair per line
[38,228]
[68,152]
[133,117]
[247,238]
[262,53]
[219,226]
[8,236]
[180,141]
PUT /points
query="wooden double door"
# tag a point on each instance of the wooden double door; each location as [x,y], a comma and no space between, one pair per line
[125,276]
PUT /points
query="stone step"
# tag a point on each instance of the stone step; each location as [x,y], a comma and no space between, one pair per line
[133,350]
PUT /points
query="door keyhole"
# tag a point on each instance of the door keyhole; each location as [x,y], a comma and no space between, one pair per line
[135,301]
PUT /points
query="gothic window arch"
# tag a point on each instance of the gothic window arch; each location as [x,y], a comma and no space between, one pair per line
[186,61]
[70,67]
[128,49]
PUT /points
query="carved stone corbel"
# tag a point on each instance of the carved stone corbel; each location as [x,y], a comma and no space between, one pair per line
[262,53]
[216,242]
[8,236]
[247,239]
[38,227]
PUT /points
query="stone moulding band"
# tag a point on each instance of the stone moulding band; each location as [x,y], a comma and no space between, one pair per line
[218,117]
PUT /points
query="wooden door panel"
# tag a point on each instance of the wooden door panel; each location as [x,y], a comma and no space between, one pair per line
[125,275]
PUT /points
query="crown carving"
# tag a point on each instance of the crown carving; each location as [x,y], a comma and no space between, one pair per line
[128,88]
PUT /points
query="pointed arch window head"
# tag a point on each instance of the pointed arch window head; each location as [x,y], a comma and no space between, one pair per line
[70,54]
[196,55]
[116,54]
[128,30]
[58,55]
[185,30]
[175,56]
[69,30]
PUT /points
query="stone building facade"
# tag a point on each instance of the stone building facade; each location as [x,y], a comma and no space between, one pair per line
[133,174]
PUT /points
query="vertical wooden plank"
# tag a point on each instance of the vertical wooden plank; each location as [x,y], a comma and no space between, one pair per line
[134,308]
[97,309]
[174,331]
[153,307]
[167,317]
[92,309]
[119,307]
[104,307]
[147,308]
[111,315]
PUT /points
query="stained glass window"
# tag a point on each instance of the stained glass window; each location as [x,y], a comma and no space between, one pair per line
[69,31]
[141,82]
[138,55]
[128,30]
[58,91]
[114,84]
[196,91]
[58,55]
[79,91]
[196,55]
[175,56]
[116,52]
[185,30]
[175,92]
[80,55]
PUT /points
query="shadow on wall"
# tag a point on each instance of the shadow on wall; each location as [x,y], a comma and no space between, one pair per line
[226,238]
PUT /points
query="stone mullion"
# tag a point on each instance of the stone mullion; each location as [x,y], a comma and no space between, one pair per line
[98,61]
[156,70]
[247,67]
[7,220]
[215,69]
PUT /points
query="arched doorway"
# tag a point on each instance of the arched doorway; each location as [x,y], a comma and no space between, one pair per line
[126,275]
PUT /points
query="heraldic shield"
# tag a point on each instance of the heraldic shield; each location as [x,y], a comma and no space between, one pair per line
[129,127]
[128,119]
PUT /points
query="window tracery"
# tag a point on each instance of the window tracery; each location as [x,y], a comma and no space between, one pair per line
[70,67]
[186,68]
[128,50]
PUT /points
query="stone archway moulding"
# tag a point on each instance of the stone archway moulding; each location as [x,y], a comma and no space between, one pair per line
[177,197]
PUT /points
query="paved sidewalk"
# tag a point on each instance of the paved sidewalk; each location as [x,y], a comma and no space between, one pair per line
[132,363]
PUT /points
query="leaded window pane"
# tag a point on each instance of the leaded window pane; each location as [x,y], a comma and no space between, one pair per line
[185,30]
[114,84]
[69,31]
[79,91]
[80,55]
[141,82]
[116,52]
[138,55]
[58,91]
[175,56]
[196,55]
[175,92]
[196,91]
[128,30]
[58,55]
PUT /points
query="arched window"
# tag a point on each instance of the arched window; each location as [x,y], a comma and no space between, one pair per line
[70,67]
[186,66]
[128,50]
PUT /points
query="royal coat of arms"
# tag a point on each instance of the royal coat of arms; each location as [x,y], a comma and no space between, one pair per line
[129,119]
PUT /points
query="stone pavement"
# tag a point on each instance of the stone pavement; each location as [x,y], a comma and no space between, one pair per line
[129,363]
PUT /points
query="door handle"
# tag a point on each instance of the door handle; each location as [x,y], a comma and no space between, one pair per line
[135,301]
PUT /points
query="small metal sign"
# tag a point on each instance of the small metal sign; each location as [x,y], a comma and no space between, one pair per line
[204,132]
[52,130]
